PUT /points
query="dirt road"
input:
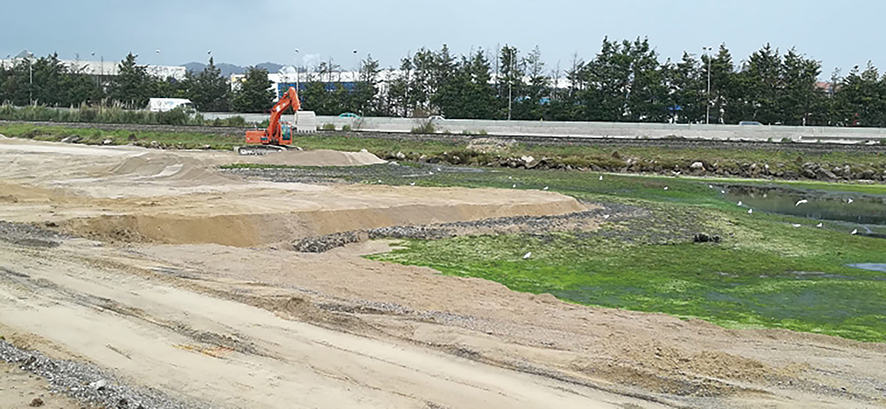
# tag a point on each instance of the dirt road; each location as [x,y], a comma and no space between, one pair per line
[236,326]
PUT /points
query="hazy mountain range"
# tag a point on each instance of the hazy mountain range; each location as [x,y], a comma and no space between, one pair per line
[228,69]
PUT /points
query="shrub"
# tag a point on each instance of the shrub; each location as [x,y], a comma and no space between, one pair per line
[346,128]
[328,127]
[424,126]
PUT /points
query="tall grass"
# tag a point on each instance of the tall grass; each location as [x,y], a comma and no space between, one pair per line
[113,114]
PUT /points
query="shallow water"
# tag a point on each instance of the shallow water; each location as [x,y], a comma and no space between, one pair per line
[822,205]
[870,267]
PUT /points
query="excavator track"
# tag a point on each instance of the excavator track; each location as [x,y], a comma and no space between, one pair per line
[259,149]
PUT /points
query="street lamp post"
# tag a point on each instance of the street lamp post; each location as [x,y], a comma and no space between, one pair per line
[510,79]
[707,117]
[30,79]
[297,84]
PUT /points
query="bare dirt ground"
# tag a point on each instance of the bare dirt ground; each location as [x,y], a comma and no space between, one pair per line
[22,389]
[173,283]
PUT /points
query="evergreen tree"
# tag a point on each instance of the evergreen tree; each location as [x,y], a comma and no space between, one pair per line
[861,98]
[208,90]
[254,93]
[687,90]
[132,86]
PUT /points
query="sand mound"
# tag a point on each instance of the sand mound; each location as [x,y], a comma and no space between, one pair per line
[168,167]
[321,157]
[254,223]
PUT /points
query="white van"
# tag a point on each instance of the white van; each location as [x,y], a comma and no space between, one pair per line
[168,104]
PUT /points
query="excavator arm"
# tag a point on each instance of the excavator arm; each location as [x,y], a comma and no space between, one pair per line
[289,99]
[274,134]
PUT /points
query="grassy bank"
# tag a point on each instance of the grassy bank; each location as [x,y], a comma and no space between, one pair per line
[455,149]
[764,274]
[195,140]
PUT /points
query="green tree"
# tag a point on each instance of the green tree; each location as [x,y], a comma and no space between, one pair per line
[79,88]
[726,91]
[254,93]
[761,81]
[208,90]
[509,83]
[132,86]
[467,94]
[15,85]
[861,98]
[801,101]
[688,86]
[364,96]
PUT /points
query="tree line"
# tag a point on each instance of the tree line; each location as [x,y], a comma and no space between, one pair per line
[49,82]
[626,81]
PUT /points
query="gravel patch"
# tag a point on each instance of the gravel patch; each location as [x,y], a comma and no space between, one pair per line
[582,223]
[29,235]
[90,385]
[369,174]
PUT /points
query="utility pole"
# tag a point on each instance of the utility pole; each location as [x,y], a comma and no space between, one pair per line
[510,78]
[707,117]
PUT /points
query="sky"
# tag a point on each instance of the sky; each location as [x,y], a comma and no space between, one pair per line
[839,34]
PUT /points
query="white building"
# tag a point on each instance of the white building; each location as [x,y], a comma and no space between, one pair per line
[107,68]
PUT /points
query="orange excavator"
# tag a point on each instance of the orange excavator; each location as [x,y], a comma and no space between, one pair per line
[279,134]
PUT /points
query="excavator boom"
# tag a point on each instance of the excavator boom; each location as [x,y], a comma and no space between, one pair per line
[273,135]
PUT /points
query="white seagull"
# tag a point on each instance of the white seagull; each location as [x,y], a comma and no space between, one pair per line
[527,255]
[820,225]
[710,186]
[796,225]
[804,201]
[601,177]
[412,184]
[854,232]
[739,203]
[750,211]
[666,188]
[850,200]
[546,188]
[514,185]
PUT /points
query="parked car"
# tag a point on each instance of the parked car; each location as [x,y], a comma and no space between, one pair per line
[349,115]
[436,117]
[749,123]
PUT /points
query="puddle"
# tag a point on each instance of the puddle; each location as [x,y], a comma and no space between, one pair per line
[881,268]
[856,208]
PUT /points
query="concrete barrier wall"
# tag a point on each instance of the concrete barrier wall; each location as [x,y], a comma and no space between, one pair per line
[599,129]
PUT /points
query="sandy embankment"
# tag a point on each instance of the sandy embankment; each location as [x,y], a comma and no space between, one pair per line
[133,194]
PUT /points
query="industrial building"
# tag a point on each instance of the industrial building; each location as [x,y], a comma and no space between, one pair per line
[101,68]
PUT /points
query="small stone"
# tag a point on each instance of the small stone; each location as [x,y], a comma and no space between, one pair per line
[99,384]
[36,402]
